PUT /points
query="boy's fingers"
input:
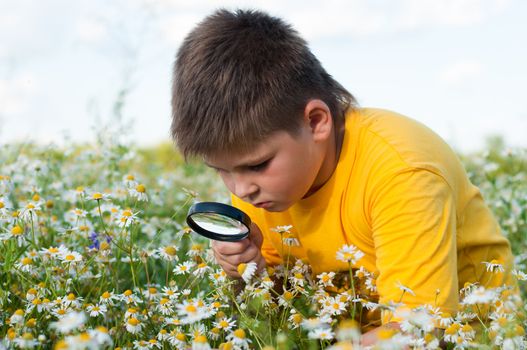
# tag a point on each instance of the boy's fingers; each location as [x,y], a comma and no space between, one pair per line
[230,248]
[255,235]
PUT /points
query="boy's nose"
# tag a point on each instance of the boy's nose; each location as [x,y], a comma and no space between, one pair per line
[244,189]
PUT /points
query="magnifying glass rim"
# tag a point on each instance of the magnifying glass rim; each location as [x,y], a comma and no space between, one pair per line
[222,209]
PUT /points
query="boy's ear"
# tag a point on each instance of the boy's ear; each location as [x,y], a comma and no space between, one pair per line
[317,116]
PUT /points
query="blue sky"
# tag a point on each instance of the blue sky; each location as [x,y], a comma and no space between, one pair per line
[456,65]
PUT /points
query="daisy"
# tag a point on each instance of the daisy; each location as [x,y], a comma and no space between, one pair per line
[69,322]
[404,289]
[295,319]
[290,239]
[53,251]
[195,250]
[26,341]
[480,295]
[225,323]
[177,339]
[171,292]
[133,325]
[169,253]
[323,333]
[108,298]
[521,276]
[282,229]
[25,264]
[349,254]
[70,257]
[101,337]
[218,277]
[129,181]
[96,310]
[17,317]
[126,218]
[247,270]
[138,192]
[239,339]
[165,306]
[200,342]
[16,232]
[326,279]
[494,266]
[98,196]
[201,269]
[183,268]
[30,211]
[191,312]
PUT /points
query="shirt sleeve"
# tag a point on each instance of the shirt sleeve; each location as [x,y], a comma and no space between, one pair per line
[413,218]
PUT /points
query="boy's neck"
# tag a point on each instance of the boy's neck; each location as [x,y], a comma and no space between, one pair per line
[330,160]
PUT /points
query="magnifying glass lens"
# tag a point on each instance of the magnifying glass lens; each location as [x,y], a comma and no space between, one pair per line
[218,221]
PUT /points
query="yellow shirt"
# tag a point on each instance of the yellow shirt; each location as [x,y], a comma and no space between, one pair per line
[401,196]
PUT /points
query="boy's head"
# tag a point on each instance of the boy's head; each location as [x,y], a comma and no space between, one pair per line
[241,76]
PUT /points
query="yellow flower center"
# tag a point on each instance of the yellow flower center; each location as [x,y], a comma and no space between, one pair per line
[133,321]
[466,328]
[297,318]
[140,188]
[106,295]
[71,296]
[27,261]
[127,213]
[170,250]
[97,196]
[53,250]
[84,336]
[385,334]
[31,323]
[69,257]
[19,312]
[127,292]
[130,177]
[30,206]
[200,339]
[163,301]
[27,336]
[288,295]
[152,290]
[191,308]
[16,230]
[181,337]
[241,268]
[2,204]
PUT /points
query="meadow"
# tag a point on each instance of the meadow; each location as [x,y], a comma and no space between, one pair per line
[95,254]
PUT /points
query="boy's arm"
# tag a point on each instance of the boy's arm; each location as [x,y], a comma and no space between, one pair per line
[413,218]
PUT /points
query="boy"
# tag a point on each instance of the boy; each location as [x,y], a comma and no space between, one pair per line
[293,147]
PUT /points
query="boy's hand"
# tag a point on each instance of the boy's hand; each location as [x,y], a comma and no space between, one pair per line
[230,254]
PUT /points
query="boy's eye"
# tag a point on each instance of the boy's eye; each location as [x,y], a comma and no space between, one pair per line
[259,166]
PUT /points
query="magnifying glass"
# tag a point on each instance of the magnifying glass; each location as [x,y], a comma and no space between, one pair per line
[219,221]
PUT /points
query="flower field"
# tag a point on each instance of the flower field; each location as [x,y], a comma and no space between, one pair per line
[95,254]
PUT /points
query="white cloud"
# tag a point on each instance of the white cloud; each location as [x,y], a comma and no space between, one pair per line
[15,92]
[414,14]
[461,72]
[90,30]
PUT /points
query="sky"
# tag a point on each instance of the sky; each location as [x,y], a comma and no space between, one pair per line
[458,66]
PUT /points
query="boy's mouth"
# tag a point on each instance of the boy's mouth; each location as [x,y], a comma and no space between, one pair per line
[263,204]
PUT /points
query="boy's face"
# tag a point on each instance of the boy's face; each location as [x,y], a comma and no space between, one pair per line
[277,173]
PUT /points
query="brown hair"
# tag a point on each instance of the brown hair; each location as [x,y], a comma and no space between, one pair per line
[239,76]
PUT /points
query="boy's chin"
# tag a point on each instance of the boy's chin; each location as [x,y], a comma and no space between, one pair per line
[277,207]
